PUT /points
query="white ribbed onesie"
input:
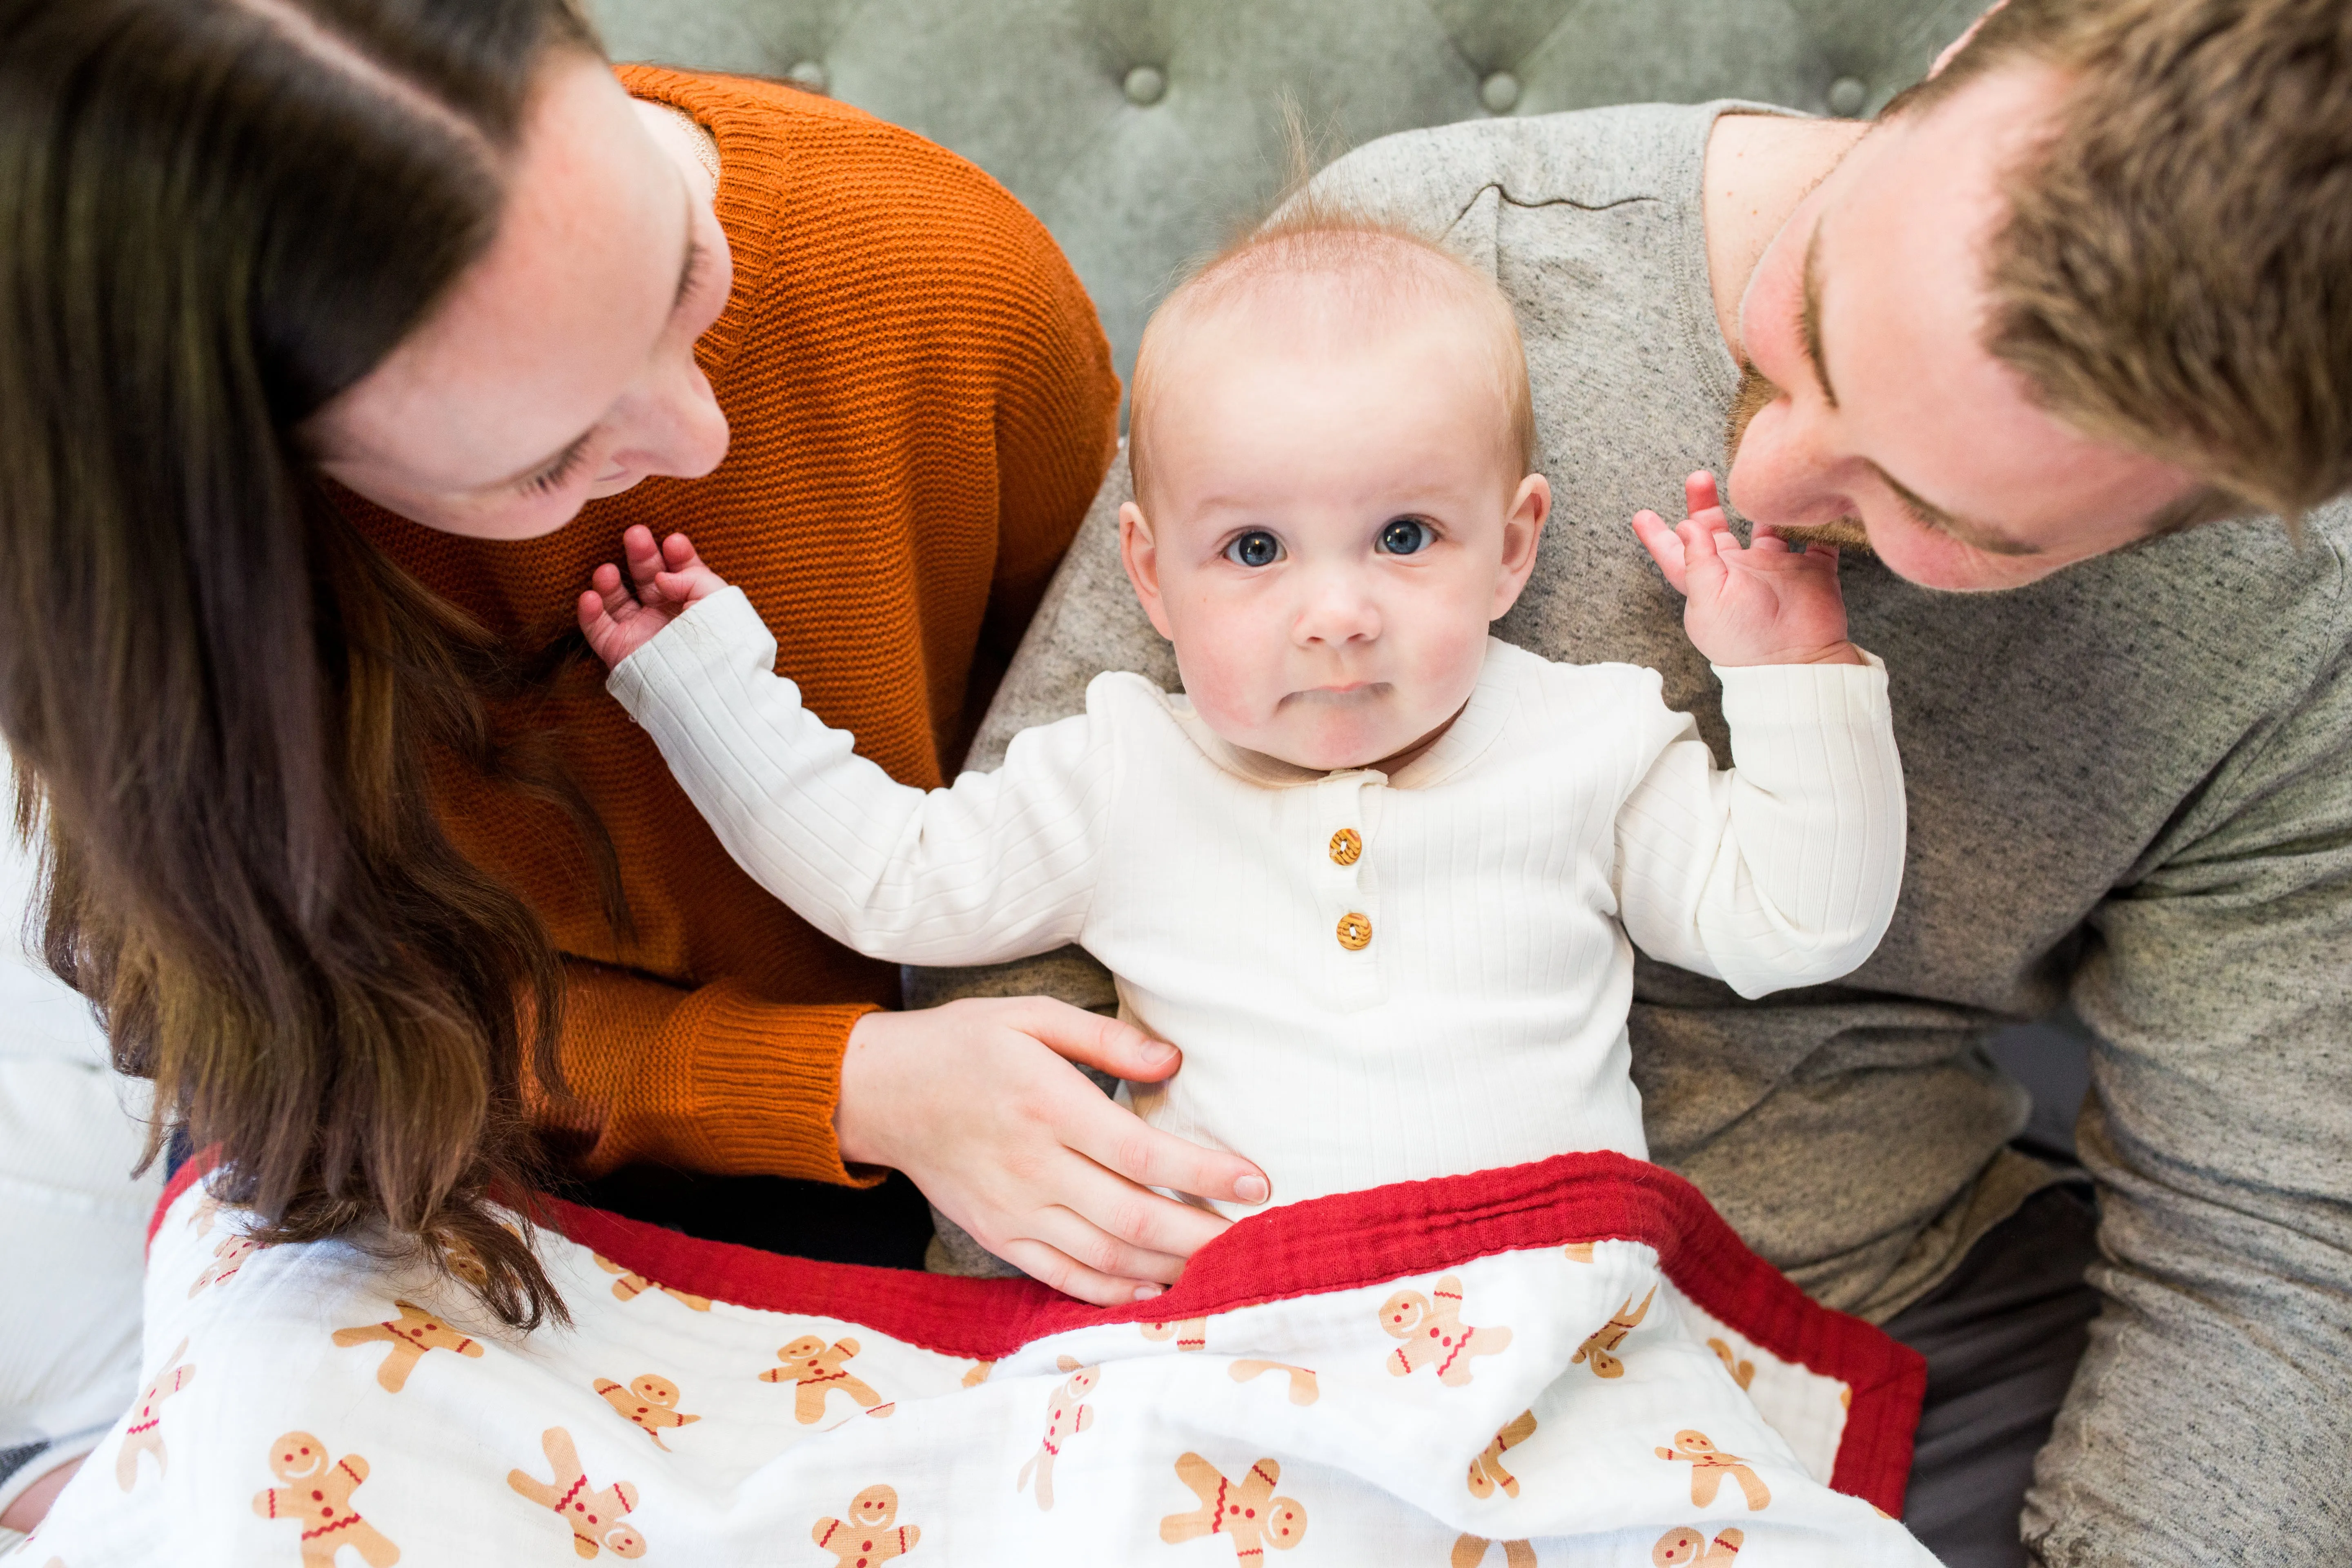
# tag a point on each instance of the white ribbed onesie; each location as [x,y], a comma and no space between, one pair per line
[1497,878]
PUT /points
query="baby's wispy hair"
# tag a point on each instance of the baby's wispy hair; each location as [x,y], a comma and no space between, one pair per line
[1365,266]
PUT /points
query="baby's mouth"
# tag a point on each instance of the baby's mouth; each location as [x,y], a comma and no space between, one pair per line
[1350,695]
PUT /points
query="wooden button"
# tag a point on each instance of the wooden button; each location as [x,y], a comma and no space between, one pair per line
[1347,846]
[1355,933]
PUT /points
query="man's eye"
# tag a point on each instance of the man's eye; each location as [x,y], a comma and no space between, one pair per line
[1406,536]
[1256,548]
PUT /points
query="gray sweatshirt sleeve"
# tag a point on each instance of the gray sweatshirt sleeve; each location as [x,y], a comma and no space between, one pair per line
[2211,1419]
[1088,623]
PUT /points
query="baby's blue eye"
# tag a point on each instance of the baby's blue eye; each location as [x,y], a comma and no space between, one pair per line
[1406,536]
[1256,548]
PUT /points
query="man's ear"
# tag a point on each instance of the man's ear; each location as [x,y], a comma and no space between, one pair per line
[1141,555]
[1522,532]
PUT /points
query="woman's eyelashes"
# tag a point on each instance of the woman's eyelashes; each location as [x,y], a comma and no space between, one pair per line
[567,463]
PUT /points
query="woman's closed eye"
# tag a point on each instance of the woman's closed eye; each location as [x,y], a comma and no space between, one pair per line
[566,463]
[1254,547]
[1405,536]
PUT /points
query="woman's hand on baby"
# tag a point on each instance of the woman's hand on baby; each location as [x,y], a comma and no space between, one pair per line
[975,1102]
[1761,604]
[618,618]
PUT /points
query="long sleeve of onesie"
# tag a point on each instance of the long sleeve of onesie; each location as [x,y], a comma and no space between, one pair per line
[997,866]
[1783,871]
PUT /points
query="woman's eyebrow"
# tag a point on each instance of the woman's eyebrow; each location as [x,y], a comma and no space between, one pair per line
[685,271]
[687,266]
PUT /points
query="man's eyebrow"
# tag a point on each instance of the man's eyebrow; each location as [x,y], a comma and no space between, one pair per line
[1975,535]
[1809,322]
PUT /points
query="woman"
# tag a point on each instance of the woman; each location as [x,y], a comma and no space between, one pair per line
[319,309]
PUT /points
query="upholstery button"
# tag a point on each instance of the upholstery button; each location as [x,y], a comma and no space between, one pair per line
[1145,86]
[1355,933]
[1347,846]
[811,74]
[1847,95]
[1499,92]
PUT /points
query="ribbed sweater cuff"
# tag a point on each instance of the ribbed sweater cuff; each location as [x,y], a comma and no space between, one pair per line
[767,1080]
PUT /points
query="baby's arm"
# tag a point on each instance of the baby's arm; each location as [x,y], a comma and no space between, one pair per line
[1783,871]
[997,867]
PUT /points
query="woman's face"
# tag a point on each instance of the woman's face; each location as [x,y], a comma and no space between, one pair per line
[559,368]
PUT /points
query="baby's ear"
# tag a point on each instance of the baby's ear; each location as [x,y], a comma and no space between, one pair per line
[1139,553]
[1522,532]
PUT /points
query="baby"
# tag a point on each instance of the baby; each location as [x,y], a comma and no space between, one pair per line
[1378,875]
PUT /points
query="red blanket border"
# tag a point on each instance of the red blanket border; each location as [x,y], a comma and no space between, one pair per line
[1338,1243]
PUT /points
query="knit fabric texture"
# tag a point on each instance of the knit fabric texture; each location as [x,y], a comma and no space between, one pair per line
[1374,978]
[921,404]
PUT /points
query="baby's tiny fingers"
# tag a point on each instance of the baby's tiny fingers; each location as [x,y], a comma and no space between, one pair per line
[1700,492]
[1665,545]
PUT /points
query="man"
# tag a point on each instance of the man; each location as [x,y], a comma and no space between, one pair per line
[2088,287]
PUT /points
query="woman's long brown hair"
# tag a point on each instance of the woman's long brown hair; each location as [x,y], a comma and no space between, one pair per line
[214,216]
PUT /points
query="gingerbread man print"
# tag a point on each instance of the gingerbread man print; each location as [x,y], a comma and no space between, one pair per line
[1434,1335]
[145,1435]
[1709,1465]
[1190,1333]
[1685,1546]
[1487,1471]
[318,1496]
[410,1335]
[1471,1549]
[1247,1512]
[1602,1341]
[228,1257]
[1743,1371]
[593,1514]
[1064,1418]
[648,1402]
[1302,1387]
[632,1285]
[867,1537]
[817,1368]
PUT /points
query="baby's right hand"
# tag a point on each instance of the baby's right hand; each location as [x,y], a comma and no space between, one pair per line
[663,581]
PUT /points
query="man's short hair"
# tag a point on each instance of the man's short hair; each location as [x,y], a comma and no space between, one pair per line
[2174,272]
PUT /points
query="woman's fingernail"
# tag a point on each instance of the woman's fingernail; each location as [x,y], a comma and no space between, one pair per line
[1251,1189]
[1158,1053]
[1145,1292]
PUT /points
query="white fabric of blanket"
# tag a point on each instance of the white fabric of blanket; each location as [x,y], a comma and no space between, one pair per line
[1538,1405]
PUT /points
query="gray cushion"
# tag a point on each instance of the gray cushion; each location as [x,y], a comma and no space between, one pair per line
[1144,131]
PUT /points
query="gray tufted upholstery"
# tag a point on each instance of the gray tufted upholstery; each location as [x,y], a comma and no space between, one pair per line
[1144,130]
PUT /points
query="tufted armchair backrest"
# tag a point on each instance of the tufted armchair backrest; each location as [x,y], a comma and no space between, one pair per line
[1144,131]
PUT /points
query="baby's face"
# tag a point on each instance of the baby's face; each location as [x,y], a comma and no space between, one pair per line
[1326,532]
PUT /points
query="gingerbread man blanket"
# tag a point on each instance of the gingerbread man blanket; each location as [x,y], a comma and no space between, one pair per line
[1573,1362]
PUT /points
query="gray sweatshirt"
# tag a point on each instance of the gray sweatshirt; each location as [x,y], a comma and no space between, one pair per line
[2130,788]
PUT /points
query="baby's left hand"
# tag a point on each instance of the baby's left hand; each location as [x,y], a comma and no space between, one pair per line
[663,579]
[1765,603]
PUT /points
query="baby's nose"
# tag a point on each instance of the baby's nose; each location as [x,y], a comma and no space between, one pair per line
[1338,607]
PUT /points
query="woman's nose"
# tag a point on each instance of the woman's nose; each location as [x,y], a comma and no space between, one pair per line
[674,425]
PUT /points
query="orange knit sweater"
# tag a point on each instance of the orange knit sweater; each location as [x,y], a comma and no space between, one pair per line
[922,405]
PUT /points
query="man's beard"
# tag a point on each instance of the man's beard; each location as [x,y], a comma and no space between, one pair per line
[1755,394]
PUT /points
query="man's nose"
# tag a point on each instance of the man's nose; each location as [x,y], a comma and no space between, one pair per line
[1785,473]
[1337,606]
[674,425]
